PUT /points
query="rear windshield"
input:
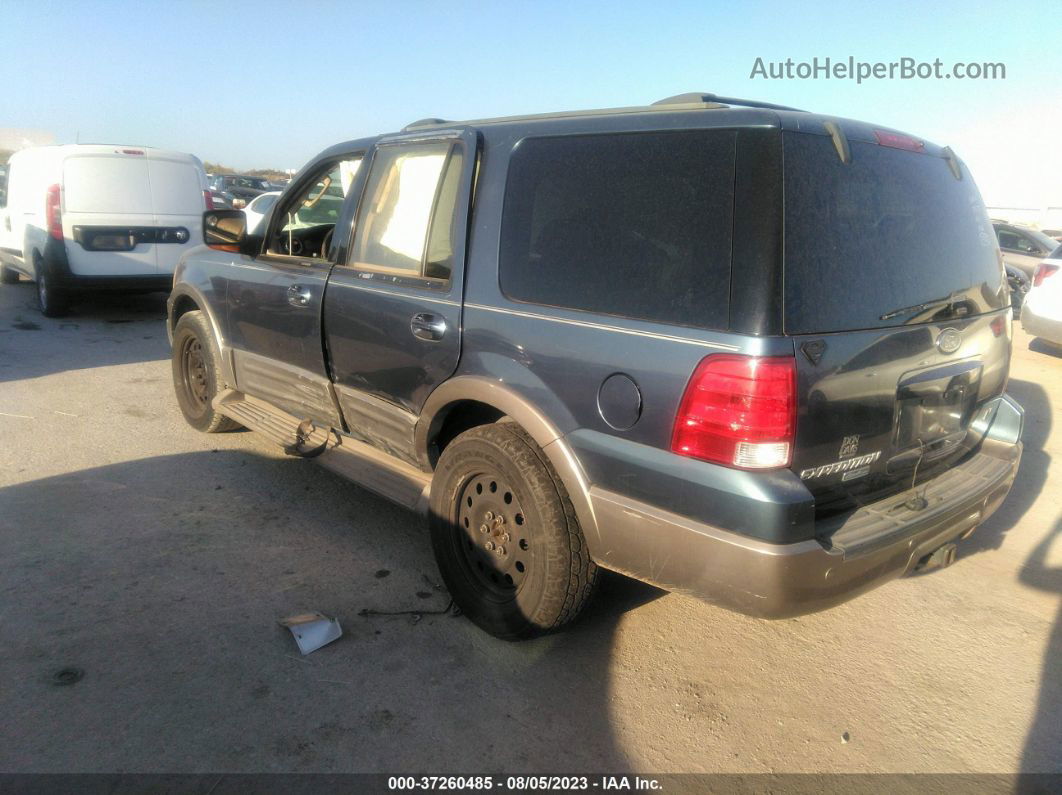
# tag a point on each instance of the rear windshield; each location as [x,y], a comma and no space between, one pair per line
[131,186]
[106,185]
[867,243]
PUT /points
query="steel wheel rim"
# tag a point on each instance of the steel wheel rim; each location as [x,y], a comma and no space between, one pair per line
[194,374]
[42,290]
[492,536]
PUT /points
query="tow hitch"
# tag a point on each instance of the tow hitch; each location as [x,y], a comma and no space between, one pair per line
[944,556]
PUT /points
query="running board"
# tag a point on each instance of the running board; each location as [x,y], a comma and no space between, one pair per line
[349,458]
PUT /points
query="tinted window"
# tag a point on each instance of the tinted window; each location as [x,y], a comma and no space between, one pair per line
[637,225]
[405,185]
[890,230]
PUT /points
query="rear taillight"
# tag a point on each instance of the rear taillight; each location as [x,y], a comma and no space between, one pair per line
[739,411]
[1043,271]
[53,213]
[208,200]
[897,141]
[999,324]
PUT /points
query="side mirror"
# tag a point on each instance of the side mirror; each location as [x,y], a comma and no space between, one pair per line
[225,230]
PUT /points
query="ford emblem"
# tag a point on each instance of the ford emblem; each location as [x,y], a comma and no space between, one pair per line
[949,340]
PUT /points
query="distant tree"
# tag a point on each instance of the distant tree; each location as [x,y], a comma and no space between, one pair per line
[265,173]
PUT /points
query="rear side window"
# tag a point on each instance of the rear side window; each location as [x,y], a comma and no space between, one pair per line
[868,243]
[636,225]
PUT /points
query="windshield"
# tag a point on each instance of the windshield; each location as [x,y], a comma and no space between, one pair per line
[1045,242]
[888,239]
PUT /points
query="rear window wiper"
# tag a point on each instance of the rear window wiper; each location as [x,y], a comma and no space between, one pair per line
[947,300]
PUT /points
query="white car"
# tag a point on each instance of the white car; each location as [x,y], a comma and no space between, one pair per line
[258,207]
[98,217]
[1041,314]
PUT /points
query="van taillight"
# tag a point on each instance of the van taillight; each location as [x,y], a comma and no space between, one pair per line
[739,411]
[208,200]
[53,213]
[1043,270]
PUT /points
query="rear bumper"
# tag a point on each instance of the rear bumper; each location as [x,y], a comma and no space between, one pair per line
[1039,326]
[782,580]
[63,278]
[147,283]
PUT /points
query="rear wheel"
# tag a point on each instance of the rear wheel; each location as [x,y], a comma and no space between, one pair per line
[52,301]
[196,374]
[8,275]
[505,535]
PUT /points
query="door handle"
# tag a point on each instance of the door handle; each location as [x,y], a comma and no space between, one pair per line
[427,327]
[299,295]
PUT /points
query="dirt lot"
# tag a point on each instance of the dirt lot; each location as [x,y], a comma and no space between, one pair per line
[157,560]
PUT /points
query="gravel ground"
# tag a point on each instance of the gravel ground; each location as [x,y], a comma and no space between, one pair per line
[157,561]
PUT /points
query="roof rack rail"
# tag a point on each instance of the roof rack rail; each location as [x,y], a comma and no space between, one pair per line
[699,96]
[423,123]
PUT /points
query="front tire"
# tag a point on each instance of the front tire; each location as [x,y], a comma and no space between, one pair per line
[505,535]
[196,374]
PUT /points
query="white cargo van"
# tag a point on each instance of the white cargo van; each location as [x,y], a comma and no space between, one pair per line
[98,217]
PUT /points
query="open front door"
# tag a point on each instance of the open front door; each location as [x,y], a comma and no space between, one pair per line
[275,298]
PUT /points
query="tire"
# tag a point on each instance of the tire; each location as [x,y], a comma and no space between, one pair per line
[8,275]
[527,573]
[196,374]
[51,301]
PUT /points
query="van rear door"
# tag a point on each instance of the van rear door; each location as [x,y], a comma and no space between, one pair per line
[896,299]
[130,211]
[106,198]
[177,185]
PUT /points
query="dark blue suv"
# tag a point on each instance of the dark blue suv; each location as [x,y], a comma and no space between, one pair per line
[735,350]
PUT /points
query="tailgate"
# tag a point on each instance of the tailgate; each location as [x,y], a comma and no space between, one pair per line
[880,409]
[895,297]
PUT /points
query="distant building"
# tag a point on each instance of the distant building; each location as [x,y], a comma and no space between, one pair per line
[1038,217]
[12,139]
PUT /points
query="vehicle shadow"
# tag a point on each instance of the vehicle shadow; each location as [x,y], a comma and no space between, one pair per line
[162,579]
[1040,345]
[1043,746]
[1032,473]
[102,329]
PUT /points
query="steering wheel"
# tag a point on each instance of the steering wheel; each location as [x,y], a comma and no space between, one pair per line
[327,243]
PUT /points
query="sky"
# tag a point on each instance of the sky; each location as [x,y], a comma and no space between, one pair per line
[269,84]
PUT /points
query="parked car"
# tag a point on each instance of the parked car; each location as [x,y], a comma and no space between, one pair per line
[258,207]
[241,188]
[655,345]
[1019,286]
[98,217]
[1041,314]
[223,200]
[1023,247]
